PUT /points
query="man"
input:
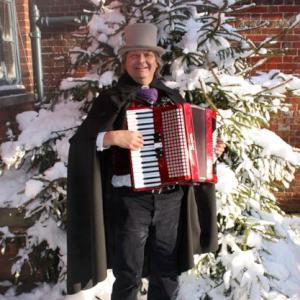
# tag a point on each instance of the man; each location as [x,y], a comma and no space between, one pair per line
[153,233]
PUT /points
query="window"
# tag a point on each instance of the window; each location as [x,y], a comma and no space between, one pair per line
[9,52]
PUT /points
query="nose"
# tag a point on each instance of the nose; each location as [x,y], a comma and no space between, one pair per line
[141,58]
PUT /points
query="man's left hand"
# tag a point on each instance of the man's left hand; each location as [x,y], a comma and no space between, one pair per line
[220,147]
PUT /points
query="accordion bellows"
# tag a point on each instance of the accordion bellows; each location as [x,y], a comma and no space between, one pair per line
[179,143]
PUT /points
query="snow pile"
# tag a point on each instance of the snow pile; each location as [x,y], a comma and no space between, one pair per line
[38,128]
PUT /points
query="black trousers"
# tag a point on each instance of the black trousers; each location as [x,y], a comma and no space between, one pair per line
[146,220]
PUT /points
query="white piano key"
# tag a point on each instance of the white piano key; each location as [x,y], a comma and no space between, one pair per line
[132,120]
[152,184]
[140,110]
[147,147]
[144,170]
[132,125]
[140,128]
[139,183]
[147,131]
[148,184]
[149,175]
[139,113]
[144,149]
[146,164]
[139,168]
[142,153]
[149,139]
[144,159]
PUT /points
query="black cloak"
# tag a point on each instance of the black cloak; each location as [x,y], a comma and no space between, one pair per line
[89,202]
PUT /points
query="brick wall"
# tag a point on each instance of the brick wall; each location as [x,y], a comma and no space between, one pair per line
[286,58]
[278,14]
[56,42]
[287,126]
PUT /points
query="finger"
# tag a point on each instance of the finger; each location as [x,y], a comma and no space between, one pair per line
[136,145]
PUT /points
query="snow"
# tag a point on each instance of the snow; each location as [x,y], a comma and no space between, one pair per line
[297,21]
[104,79]
[227,181]
[282,263]
[59,170]
[254,267]
[11,185]
[25,118]
[5,232]
[56,237]
[62,148]
[272,144]
[274,80]
[32,188]
[103,26]
[44,291]
[65,116]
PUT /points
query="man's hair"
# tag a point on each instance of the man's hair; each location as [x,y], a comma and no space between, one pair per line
[159,62]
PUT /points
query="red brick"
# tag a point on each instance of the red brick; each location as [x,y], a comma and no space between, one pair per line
[270,31]
[258,10]
[289,8]
[290,37]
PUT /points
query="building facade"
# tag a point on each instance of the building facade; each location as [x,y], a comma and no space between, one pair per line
[19,88]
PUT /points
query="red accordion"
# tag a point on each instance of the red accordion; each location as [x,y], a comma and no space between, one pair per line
[179,142]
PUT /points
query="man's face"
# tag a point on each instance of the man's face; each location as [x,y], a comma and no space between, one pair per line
[141,65]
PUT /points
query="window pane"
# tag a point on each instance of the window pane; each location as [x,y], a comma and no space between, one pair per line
[5,21]
[2,71]
[9,60]
[8,51]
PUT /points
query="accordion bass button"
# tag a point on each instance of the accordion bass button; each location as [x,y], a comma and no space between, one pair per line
[159,152]
[157,137]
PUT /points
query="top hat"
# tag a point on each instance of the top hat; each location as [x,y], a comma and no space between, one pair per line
[141,36]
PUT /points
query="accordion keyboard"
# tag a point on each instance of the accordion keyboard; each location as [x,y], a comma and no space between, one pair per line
[144,161]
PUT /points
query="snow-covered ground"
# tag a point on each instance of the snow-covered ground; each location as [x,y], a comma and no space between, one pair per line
[284,264]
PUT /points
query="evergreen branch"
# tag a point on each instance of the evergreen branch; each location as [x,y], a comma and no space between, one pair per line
[51,186]
[251,68]
[274,87]
[261,25]
[213,71]
[206,96]
[240,9]
[63,131]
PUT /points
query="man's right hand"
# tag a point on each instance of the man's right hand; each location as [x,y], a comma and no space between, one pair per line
[132,140]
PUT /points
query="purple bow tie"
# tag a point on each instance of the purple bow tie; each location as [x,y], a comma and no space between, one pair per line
[147,95]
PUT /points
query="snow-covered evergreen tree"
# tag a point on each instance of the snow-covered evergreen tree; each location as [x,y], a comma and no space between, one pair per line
[207,59]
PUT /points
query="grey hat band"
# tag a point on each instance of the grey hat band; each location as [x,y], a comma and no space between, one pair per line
[160,51]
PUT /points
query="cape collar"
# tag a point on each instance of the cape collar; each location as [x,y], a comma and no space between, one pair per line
[126,83]
[128,89]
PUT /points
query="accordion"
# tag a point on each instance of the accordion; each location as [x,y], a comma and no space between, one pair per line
[179,143]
